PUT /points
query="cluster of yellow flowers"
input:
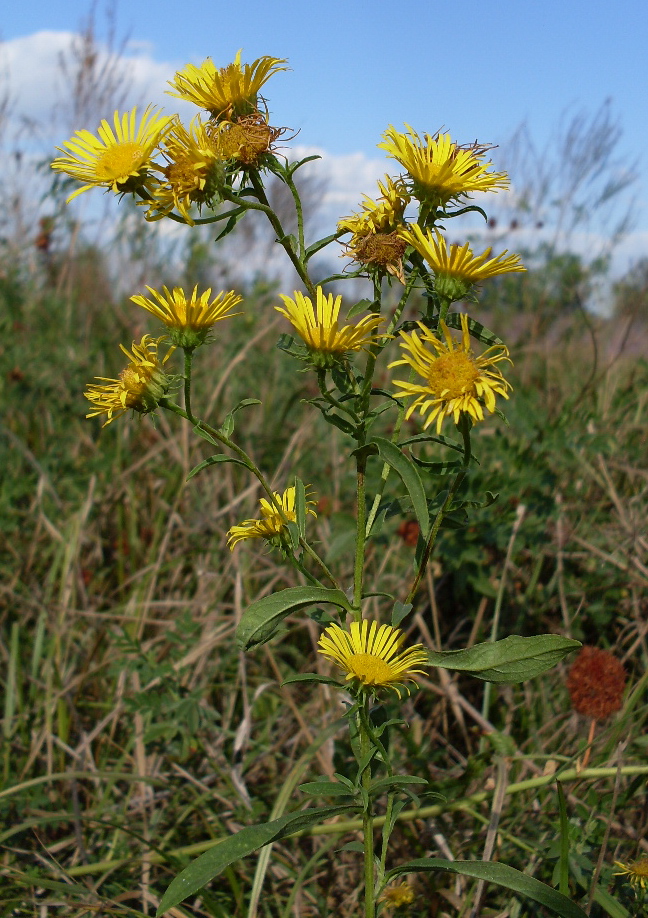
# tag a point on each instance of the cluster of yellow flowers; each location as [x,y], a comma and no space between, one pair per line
[174,169]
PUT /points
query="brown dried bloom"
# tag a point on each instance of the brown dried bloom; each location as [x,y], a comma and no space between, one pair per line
[246,139]
[596,683]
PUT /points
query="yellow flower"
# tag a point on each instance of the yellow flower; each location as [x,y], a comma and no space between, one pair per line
[118,159]
[192,174]
[140,386]
[395,896]
[369,654]
[375,239]
[636,871]
[441,171]
[320,330]
[189,319]
[457,270]
[455,380]
[271,525]
[225,92]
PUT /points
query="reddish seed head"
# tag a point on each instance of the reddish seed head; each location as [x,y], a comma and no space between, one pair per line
[409,531]
[596,683]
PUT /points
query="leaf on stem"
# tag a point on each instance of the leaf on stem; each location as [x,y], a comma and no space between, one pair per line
[513,659]
[260,621]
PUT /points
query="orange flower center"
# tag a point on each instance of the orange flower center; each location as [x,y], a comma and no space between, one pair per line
[120,161]
[452,374]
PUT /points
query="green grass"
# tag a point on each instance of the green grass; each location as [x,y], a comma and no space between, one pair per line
[134,732]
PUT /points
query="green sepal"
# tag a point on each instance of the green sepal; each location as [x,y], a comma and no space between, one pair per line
[260,621]
[213,862]
[513,659]
[501,875]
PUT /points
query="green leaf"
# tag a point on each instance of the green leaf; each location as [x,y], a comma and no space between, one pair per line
[312,677]
[213,862]
[501,875]
[215,460]
[325,789]
[260,620]
[513,659]
[227,428]
[399,612]
[407,472]
[320,244]
[477,330]
[386,784]
[363,305]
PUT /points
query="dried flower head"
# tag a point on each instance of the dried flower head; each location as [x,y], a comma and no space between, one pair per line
[396,896]
[596,683]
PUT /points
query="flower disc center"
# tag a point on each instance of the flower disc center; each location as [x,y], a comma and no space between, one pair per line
[452,374]
[120,161]
[369,669]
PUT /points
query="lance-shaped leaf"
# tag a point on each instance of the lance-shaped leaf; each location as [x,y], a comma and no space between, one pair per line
[212,862]
[408,473]
[501,875]
[260,621]
[513,659]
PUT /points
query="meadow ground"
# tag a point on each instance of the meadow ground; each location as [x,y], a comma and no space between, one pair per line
[134,731]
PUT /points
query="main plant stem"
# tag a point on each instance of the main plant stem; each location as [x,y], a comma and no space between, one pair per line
[367,816]
[447,503]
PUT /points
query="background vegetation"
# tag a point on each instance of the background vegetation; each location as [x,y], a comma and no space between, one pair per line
[133,731]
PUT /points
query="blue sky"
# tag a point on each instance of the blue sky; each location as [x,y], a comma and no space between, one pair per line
[477,69]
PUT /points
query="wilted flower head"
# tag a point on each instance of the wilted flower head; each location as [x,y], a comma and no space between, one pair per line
[596,683]
[376,241]
[117,159]
[398,895]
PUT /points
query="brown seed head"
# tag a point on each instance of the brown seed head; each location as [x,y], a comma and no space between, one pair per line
[596,683]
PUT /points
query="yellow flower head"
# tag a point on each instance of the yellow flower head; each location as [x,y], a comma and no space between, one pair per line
[369,654]
[319,327]
[192,174]
[636,871]
[454,379]
[272,524]
[458,269]
[396,896]
[440,170]
[189,319]
[225,92]
[375,240]
[118,159]
[140,386]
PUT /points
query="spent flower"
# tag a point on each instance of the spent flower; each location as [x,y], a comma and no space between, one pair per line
[370,655]
[118,159]
[596,683]
[455,380]
[140,386]
[188,318]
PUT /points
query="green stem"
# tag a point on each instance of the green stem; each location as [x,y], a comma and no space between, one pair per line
[321,382]
[258,474]
[188,358]
[282,239]
[367,817]
[434,531]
